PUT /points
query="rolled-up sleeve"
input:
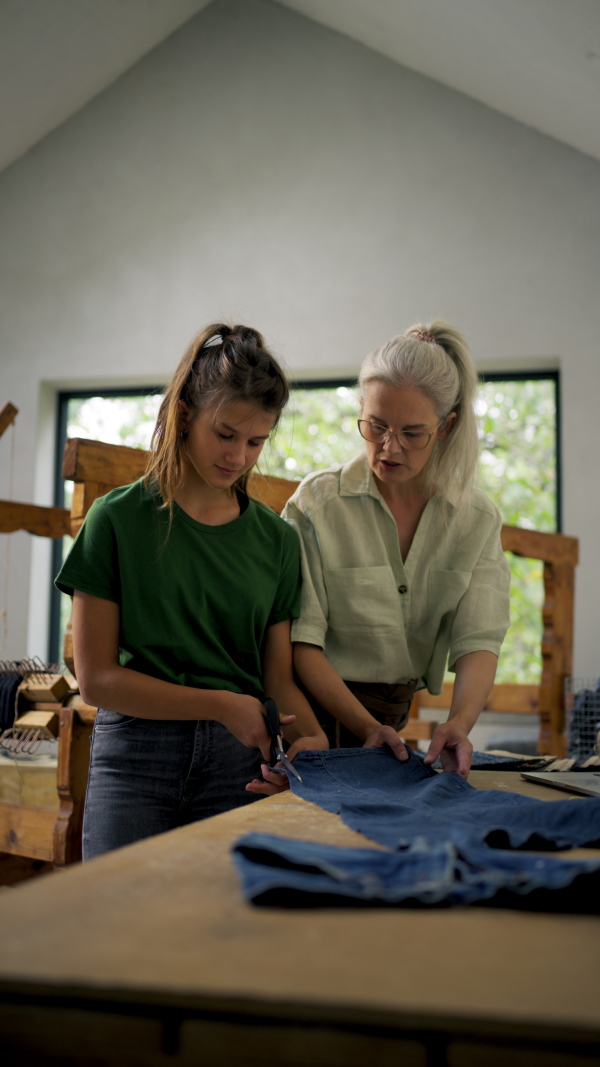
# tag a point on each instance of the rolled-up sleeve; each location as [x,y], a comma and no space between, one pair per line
[483,614]
[311,626]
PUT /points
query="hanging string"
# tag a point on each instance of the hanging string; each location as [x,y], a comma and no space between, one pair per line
[4,609]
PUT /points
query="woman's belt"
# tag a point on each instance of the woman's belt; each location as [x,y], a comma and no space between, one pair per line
[388,703]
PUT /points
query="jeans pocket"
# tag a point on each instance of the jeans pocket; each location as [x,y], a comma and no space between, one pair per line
[112,720]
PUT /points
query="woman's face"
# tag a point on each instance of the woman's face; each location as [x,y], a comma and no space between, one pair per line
[403,410]
[223,444]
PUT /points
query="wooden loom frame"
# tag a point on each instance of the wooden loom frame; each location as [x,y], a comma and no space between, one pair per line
[96,468]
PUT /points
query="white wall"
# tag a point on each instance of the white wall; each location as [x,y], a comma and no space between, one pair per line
[259,167]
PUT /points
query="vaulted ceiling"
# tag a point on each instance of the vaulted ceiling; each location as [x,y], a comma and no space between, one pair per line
[537,61]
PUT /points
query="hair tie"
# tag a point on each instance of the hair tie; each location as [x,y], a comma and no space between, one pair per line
[424,335]
[212,342]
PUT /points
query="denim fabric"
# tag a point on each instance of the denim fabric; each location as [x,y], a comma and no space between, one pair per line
[447,841]
[148,776]
[284,873]
[394,802]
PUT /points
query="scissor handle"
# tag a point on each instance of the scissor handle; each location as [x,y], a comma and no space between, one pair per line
[274,727]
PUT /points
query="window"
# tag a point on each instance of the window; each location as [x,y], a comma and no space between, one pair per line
[519,469]
[119,417]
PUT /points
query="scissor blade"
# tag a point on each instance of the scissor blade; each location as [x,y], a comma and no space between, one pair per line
[289,767]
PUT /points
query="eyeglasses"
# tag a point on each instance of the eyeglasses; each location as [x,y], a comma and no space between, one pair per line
[411,440]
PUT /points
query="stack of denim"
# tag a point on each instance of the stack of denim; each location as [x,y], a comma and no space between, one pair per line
[445,842]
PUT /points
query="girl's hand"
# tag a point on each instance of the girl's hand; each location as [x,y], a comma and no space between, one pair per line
[244,717]
[274,782]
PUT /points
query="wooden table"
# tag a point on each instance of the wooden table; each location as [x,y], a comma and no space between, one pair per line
[149,956]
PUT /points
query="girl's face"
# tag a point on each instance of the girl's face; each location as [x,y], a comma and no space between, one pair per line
[403,410]
[223,444]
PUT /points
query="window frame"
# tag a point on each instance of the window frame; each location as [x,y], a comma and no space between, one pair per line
[62,406]
[62,402]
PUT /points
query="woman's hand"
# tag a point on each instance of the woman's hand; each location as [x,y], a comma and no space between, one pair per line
[386,735]
[451,743]
[475,674]
[278,782]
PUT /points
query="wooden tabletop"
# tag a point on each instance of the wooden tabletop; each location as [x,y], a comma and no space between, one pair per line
[163,923]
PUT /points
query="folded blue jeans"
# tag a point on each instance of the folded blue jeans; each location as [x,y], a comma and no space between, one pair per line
[281,872]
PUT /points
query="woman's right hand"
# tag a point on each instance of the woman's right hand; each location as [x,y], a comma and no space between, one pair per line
[244,717]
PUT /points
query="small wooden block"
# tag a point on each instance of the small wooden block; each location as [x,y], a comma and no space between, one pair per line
[46,687]
[34,719]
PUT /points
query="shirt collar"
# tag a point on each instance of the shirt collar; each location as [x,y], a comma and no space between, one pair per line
[356,478]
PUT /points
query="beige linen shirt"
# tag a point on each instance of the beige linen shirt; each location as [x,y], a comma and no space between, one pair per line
[377,618]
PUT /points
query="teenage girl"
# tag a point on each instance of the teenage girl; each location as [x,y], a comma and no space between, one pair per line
[184,590]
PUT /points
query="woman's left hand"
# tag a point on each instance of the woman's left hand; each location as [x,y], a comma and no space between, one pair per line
[276,781]
[451,743]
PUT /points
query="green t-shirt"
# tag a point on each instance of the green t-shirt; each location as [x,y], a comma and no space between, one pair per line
[194,607]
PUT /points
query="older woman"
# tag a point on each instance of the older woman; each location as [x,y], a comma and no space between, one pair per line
[402,563]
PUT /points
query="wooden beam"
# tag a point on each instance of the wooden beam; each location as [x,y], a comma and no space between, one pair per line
[34,519]
[8,414]
[272,491]
[71,782]
[96,461]
[549,547]
[97,467]
[505,696]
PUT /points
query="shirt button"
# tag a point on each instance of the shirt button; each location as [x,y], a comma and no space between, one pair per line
[403,589]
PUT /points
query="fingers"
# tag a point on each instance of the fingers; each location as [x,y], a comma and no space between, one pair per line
[265,746]
[464,753]
[273,783]
[265,749]
[433,751]
[454,750]
[264,788]
[387,736]
[395,742]
[437,744]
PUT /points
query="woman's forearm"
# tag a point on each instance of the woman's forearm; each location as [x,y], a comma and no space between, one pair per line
[328,689]
[475,675]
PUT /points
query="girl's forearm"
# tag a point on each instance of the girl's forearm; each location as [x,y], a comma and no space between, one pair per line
[328,689]
[130,692]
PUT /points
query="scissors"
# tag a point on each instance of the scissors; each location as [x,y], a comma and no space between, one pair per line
[278,756]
